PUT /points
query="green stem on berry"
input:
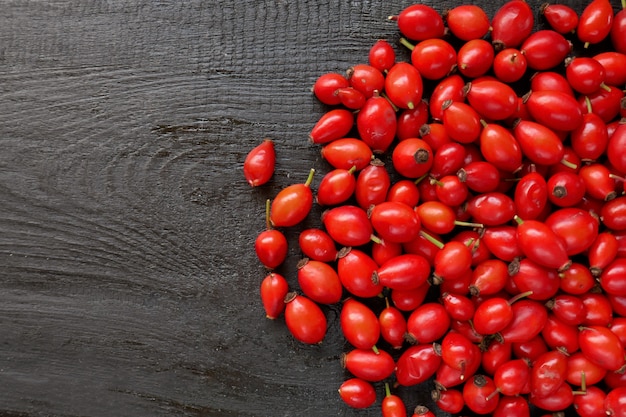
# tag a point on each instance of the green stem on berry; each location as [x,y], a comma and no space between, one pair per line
[376,239]
[569,164]
[309,179]
[395,108]
[468,224]
[417,181]
[268,222]
[605,87]
[375,349]
[406,43]
[520,296]
[387,390]
[431,239]
[518,219]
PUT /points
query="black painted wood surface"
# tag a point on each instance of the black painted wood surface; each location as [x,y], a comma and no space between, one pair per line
[128,280]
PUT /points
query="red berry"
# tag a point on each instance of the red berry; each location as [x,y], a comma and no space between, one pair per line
[259,164]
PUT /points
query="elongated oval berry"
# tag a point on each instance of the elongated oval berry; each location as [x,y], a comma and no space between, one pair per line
[417,364]
[292,204]
[336,187]
[346,153]
[595,21]
[319,281]
[395,222]
[467,22]
[404,272]
[555,109]
[420,21]
[318,245]
[511,24]
[377,123]
[449,88]
[355,269]
[369,364]
[305,319]
[381,55]
[274,289]
[334,124]
[602,347]
[560,17]
[539,143]
[348,225]
[492,99]
[372,185]
[357,393]
[359,324]
[541,244]
[404,85]
[545,49]
[259,164]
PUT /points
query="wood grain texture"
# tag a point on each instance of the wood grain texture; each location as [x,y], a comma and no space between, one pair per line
[128,282]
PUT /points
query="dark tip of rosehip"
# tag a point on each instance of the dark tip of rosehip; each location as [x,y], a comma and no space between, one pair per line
[462,174]
[480,380]
[290,296]
[343,252]
[421,156]
[498,45]
[436,280]
[559,191]
[514,267]
[466,88]
[302,262]
[436,393]
[565,266]
[420,409]
[474,291]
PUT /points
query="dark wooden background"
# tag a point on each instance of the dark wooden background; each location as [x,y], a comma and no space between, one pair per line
[128,280]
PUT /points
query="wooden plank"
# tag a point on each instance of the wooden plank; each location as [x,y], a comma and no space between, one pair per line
[128,283]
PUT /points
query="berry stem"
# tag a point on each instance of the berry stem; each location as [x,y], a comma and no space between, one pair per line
[520,296]
[569,164]
[387,390]
[309,179]
[268,222]
[406,43]
[431,239]
[468,224]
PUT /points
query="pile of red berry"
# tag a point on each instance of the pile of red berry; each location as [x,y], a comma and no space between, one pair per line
[474,231]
